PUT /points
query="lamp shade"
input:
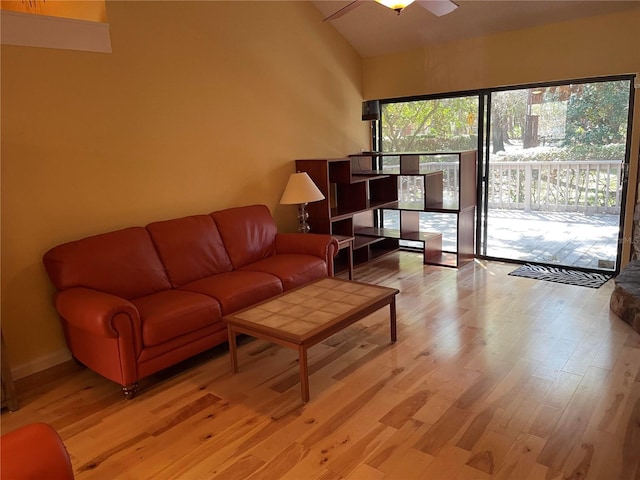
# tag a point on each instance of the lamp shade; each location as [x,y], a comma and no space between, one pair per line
[300,189]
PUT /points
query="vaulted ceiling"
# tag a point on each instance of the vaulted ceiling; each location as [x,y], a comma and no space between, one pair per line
[374,29]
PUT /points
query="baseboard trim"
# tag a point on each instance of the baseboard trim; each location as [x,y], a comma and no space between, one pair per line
[40,364]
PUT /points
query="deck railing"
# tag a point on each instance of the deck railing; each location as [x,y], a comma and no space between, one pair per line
[582,186]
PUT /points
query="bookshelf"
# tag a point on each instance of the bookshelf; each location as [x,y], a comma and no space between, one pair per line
[383,201]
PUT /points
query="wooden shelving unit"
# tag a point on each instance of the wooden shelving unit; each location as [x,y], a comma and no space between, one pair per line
[359,189]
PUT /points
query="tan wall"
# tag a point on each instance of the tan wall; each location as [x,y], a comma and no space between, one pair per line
[204,105]
[590,47]
[201,106]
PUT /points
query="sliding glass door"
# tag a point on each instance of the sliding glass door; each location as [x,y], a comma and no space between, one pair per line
[552,166]
[555,174]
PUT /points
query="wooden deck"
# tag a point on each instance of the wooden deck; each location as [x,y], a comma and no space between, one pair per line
[568,239]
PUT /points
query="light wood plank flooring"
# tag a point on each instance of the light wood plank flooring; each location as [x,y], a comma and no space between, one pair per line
[492,377]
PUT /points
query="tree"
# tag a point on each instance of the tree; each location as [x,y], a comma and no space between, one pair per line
[597,115]
[430,125]
[499,128]
[403,121]
[508,111]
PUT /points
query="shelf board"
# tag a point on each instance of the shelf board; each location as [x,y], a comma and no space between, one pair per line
[444,207]
[370,173]
[372,232]
[395,171]
[342,214]
[381,204]
[412,206]
[446,259]
[379,232]
[363,241]
[449,207]
[420,236]
[337,214]
[360,177]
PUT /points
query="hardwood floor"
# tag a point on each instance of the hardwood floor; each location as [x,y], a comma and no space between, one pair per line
[492,377]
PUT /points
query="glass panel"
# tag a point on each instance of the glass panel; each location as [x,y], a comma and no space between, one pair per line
[436,125]
[555,166]
[439,125]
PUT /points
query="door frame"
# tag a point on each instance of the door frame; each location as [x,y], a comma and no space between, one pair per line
[483,148]
[483,166]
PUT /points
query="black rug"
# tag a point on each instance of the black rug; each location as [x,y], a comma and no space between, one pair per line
[561,275]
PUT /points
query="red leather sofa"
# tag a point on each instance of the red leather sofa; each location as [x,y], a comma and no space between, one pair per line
[140,299]
[34,452]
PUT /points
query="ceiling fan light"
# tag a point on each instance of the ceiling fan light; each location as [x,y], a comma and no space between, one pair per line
[396,5]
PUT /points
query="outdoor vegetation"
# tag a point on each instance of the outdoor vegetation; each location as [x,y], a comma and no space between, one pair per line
[552,148]
[448,124]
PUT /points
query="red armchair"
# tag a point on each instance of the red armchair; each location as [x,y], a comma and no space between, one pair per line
[34,452]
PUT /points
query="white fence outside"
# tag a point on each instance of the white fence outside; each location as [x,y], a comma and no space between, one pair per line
[589,187]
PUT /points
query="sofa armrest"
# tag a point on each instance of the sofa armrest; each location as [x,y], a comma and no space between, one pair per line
[94,311]
[103,331]
[34,451]
[320,245]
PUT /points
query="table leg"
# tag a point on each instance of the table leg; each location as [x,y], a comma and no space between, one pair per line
[304,373]
[350,260]
[233,351]
[392,315]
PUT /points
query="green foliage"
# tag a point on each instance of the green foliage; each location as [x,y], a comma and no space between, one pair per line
[574,153]
[423,143]
[589,120]
[431,125]
[598,114]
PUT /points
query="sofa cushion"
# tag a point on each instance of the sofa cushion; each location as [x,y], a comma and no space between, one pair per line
[248,233]
[123,263]
[169,314]
[292,269]
[238,289]
[190,248]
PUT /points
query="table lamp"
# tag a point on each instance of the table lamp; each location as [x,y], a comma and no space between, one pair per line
[301,190]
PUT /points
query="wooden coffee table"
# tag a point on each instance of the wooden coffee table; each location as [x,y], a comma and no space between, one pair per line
[305,316]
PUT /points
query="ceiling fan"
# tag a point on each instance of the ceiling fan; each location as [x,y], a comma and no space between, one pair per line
[437,7]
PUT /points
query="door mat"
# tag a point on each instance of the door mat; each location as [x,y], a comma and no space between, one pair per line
[561,275]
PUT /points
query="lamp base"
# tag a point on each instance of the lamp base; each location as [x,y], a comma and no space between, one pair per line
[303,215]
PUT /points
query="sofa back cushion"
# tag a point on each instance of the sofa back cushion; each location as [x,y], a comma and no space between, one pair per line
[248,233]
[123,263]
[190,248]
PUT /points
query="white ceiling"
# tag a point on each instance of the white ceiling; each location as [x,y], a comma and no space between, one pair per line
[374,29]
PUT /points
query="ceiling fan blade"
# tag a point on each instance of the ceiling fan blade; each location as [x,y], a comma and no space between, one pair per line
[438,7]
[346,9]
